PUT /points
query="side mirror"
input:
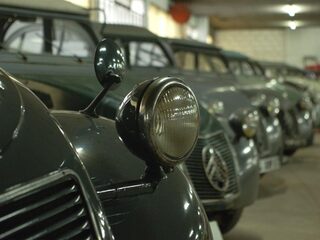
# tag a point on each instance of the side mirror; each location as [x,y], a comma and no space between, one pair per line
[109,63]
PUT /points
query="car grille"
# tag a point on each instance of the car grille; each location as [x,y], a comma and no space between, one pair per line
[197,173]
[56,210]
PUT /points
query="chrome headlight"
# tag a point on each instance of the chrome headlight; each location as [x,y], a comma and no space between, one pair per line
[273,107]
[245,123]
[216,108]
[258,100]
[160,119]
[305,103]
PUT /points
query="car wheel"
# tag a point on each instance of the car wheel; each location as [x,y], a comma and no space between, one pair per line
[289,152]
[310,140]
[226,219]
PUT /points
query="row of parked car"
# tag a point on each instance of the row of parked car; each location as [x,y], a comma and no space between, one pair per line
[175,133]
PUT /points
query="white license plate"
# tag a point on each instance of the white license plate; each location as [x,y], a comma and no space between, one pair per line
[269,164]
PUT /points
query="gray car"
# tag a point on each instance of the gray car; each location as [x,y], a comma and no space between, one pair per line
[300,79]
[295,109]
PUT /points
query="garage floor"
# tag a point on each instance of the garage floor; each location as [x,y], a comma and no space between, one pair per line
[288,207]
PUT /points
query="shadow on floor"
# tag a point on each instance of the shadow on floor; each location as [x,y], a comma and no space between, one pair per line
[242,234]
[272,185]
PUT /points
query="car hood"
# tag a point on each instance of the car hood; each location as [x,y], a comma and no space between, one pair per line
[109,161]
[255,86]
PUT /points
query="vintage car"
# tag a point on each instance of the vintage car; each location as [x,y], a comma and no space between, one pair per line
[300,79]
[58,69]
[295,108]
[137,192]
[200,59]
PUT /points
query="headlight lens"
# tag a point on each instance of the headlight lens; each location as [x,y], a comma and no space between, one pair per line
[174,123]
[250,124]
[273,107]
[160,120]
[245,122]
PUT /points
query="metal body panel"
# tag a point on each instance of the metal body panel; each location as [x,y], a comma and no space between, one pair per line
[109,162]
[39,148]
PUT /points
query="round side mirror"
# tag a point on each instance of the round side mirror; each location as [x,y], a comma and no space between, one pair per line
[109,63]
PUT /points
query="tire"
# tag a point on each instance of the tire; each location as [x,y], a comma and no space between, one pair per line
[289,152]
[310,140]
[227,219]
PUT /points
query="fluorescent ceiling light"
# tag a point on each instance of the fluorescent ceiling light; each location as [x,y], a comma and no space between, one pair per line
[291,9]
[292,25]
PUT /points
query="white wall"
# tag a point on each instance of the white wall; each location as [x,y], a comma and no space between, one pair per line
[259,44]
[302,43]
[273,45]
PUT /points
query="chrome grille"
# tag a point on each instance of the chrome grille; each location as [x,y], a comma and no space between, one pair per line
[56,210]
[196,169]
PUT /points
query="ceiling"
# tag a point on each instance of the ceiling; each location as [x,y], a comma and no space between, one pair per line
[237,14]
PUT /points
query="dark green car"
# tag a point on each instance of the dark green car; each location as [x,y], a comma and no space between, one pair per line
[76,175]
[205,62]
[60,73]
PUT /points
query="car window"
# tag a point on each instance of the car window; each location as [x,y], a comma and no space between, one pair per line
[247,69]
[216,63]
[69,39]
[185,60]
[25,36]
[204,63]
[147,54]
[235,67]
[258,71]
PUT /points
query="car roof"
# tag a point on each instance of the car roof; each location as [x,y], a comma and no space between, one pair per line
[127,31]
[190,43]
[42,6]
[234,54]
[273,64]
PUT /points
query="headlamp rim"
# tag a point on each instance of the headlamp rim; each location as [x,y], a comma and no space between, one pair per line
[146,110]
[243,123]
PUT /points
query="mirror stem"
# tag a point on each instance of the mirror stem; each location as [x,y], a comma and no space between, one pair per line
[91,109]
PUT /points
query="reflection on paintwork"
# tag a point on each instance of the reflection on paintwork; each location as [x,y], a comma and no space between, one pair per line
[1,85]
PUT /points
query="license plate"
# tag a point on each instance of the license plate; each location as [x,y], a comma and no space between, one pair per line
[269,164]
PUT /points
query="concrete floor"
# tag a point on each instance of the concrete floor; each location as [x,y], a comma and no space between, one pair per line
[288,207]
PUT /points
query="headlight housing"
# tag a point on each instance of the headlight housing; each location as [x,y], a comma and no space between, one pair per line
[245,123]
[216,108]
[273,107]
[305,103]
[160,119]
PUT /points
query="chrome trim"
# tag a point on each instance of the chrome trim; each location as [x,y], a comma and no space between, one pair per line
[21,189]
[147,107]
[229,196]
